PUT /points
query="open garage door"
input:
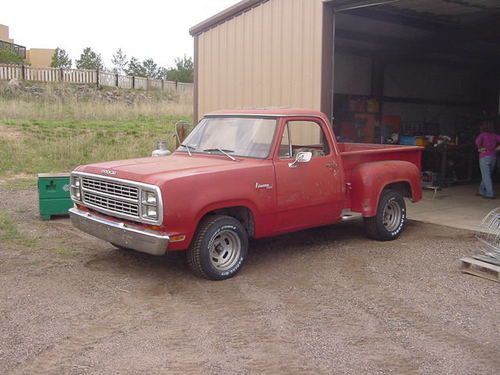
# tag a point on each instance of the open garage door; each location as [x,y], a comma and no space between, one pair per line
[416,72]
[422,72]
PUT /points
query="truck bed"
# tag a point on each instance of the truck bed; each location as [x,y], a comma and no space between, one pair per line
[354,154]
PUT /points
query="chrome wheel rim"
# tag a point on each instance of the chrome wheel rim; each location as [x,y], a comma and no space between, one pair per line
[392,216]
[225,250]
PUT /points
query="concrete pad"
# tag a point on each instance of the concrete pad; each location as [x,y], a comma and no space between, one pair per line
[456,207]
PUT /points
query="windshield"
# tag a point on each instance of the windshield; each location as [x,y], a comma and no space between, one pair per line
[246,137]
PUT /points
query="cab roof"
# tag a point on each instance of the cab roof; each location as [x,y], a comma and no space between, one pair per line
[269,112]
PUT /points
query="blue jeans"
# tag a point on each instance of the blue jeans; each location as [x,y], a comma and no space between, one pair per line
[487,166]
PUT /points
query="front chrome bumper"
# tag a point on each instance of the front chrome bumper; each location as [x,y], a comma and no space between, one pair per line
[120,234]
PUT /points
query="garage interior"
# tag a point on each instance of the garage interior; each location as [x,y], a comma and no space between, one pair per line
[420,73]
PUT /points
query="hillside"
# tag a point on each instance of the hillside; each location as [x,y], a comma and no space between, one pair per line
[53,128]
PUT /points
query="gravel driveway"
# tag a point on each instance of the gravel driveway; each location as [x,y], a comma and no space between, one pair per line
[323,301]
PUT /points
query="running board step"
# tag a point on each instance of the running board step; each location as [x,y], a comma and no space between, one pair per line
[349,215]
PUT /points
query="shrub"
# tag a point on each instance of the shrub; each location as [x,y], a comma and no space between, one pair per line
[9,57]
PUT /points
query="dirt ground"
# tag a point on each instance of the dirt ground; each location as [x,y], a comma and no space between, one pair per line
[323,301]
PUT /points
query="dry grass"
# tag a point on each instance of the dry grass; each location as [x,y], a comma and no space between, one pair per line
[18,184]
[87,110]
[82,102]
[55,133]
[10,233]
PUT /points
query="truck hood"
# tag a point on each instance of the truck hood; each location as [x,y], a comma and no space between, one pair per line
[156,170]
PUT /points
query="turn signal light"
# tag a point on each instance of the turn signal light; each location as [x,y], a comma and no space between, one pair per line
[178,238]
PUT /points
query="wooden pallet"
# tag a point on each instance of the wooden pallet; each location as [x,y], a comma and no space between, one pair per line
[480,268]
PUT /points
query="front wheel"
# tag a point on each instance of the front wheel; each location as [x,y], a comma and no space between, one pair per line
[390,219]
[219,248]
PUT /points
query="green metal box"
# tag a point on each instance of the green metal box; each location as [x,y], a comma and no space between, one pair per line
[54,194]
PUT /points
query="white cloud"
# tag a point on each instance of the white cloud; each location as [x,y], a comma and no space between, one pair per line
[146,28]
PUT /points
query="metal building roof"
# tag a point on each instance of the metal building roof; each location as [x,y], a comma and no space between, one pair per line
[225,15]
[444,11]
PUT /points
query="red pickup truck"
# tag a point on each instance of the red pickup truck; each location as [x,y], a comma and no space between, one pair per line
[241,175]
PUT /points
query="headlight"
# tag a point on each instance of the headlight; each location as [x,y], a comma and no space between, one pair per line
[150,205]
[149,197]
[151,212]
[76,193]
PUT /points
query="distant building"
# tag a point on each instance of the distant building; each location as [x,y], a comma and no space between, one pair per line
[40,57]
[4,34]
[36,57]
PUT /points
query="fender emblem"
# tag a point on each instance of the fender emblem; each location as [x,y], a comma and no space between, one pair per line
[108,172]
[263,186]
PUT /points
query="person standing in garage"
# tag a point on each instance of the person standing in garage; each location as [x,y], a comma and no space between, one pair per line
[487,145]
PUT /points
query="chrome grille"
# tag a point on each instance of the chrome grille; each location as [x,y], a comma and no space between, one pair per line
[115,205]
[112,188]
[117,197]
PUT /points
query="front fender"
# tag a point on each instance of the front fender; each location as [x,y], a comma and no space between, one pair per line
[370,179]
[189,226]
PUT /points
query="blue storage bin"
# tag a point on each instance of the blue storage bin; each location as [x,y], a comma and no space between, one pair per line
[407,140]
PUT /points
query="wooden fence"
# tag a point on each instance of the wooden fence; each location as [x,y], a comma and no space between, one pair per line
[92,77]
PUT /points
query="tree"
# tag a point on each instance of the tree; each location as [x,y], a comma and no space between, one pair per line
[151,68]
[60,59]
[119,61]
[162,73]
[183,70]
[8,56]
[89,60]
[135,68]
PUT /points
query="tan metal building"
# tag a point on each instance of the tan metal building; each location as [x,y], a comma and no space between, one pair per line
[308,53]
[260,53]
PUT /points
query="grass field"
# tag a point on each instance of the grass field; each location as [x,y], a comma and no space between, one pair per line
[55,135]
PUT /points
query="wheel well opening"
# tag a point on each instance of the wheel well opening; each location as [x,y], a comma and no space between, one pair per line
[240,213]
[402,187]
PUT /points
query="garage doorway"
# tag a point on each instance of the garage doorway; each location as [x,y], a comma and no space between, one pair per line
[418,72]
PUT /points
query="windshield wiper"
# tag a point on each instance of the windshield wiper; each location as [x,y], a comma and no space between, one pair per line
[222,151]
[188,148]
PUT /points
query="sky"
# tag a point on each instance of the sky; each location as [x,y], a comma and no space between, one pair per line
[142,28]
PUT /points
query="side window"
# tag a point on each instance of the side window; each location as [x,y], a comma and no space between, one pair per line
[285,146]
[303,136]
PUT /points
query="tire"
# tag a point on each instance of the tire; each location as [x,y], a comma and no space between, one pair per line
[390,220]
[218,249]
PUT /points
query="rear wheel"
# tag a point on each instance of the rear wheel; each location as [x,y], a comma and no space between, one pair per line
[219,248]
[390,219]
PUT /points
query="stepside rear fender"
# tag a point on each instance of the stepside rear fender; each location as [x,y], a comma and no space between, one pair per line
[370,179]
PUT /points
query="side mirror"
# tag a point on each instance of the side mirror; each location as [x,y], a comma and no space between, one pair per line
[301,157]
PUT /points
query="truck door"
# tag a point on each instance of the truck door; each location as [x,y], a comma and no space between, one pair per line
[308,194]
